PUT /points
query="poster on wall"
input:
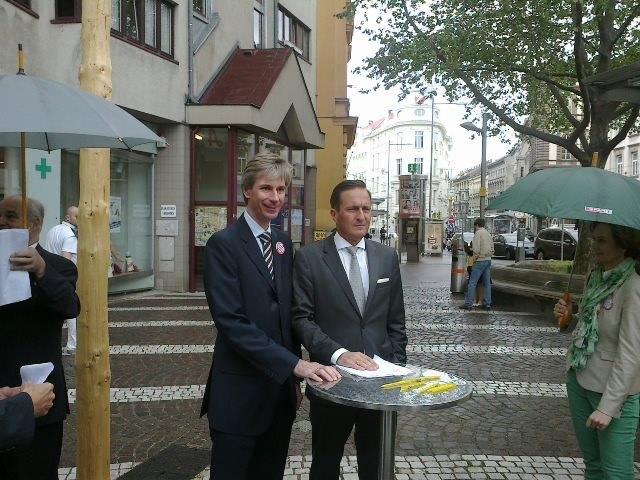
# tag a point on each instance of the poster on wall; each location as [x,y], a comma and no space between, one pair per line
[208,220]
[410,190]
[115,221]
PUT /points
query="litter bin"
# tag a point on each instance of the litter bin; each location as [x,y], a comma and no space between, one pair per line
[458,270]
[520,254]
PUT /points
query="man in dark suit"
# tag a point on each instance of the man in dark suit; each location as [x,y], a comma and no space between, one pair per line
[19,406]
[30,332]
[348,307]
[253,389]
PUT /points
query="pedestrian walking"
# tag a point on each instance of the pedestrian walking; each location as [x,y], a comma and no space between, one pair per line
[482,253]
[253,388]
[603,365]
[383,234]
[63,240]
[348,307]
[31,332]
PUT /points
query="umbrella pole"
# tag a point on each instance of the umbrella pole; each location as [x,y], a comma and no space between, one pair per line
[23,155]
[23,150]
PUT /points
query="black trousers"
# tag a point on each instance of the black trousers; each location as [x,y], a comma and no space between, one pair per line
[247,457]
[37,461]
[331,426]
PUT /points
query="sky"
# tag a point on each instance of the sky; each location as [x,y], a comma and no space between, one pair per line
[465,152]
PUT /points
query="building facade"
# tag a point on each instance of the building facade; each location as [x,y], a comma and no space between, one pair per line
[218,80]
[410,139]
[624,158]
[334,34]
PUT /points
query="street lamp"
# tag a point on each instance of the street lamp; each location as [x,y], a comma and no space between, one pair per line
[483,163]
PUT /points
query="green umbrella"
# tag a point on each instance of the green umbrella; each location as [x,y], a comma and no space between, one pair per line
[581,193]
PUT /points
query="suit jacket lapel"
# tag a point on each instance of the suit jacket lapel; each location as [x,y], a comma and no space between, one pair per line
[374,270]
[250,245]
[332,259]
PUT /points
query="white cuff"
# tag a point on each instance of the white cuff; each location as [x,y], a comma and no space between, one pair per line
[336,355]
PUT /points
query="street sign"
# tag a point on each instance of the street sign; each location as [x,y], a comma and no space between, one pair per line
[414,168]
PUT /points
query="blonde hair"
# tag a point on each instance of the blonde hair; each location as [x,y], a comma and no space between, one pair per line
[269,164]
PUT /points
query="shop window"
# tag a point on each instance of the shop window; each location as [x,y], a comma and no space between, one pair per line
[207,221]
[246,151]
[293,33]
[212,164]
[148,23]
[297,227]
[131,222]
[297,180]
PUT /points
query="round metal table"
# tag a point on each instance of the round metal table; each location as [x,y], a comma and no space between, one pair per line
[368,394]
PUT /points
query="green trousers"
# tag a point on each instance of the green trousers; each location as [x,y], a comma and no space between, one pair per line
[608,454]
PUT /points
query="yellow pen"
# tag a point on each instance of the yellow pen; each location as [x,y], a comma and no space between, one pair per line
[445,387]
[426,384]
[410,381]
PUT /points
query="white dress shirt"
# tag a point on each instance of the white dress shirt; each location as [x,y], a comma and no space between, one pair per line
[345,258]
[256,229]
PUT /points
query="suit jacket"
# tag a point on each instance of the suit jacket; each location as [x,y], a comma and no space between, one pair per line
[613,369]
[16,421]
[31,331]
[254,353]
[325,313]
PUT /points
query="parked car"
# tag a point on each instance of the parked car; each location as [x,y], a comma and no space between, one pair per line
[504,245]
[465,237]
[549,240]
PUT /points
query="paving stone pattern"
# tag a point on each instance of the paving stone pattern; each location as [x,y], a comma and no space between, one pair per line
[516,426]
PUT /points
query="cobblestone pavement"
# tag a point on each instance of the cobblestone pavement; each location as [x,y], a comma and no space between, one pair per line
[515,427]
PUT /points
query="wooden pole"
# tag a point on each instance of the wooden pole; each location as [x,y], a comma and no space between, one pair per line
[92,356]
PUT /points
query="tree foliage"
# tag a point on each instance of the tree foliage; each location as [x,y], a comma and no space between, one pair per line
[526,61]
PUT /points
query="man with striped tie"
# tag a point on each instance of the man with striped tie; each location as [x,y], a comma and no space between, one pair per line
[253,388]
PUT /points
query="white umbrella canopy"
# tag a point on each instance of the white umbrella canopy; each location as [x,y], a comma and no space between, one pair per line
[56,116]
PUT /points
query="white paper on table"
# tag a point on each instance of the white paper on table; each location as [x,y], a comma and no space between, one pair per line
[14,286]
[444,377]
[36,372]
[385,369]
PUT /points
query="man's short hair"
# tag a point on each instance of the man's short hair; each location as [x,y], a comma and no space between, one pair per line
[269,164]
[343,186]
[479,222]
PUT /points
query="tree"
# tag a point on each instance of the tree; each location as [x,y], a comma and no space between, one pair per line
[525,61]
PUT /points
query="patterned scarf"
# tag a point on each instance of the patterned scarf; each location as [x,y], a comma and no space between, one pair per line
[598,289]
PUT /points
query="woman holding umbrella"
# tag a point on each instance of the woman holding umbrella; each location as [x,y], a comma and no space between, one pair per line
[603,378]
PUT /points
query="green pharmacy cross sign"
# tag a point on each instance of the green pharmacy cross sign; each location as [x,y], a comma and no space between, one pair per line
[43,168]
[414,168]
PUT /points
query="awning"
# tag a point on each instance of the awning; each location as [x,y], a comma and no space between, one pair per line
[263,91]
